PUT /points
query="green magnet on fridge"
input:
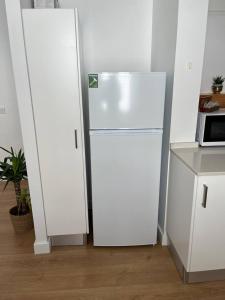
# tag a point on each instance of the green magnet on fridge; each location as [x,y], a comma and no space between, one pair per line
[93,81]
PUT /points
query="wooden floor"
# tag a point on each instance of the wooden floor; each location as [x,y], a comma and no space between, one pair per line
[85,272]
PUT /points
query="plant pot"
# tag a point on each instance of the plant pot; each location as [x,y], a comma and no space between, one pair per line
[217,88]
[21,223]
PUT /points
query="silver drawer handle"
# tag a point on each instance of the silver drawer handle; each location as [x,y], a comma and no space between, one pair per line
[75,134]
[205,193]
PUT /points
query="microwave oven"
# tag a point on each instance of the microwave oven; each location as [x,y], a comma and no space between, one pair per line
[211,128]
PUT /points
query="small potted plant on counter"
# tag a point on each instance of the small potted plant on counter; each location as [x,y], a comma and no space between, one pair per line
[217,85]
[13,169]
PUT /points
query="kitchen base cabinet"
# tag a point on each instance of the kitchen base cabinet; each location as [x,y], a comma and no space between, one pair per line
[196,218]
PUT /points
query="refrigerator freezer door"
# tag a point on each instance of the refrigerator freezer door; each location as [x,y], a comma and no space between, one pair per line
[127,100]
[125,186]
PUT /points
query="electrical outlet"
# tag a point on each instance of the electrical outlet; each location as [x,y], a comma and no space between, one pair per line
[2,109]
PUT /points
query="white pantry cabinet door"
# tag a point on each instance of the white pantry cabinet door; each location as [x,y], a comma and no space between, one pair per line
[208,247]
[51,47]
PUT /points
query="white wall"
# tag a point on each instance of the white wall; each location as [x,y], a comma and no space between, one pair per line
[192,21]
[164,33]
[116,35]
[26,3]
[216,5]
[214,62]
[10,133]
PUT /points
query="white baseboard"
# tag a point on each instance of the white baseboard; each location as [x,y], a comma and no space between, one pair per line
[184,145]
[162,237]
[43,247]
[69,240]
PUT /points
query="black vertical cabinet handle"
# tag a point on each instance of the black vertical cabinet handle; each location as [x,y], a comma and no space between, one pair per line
[205,192]
[75,133]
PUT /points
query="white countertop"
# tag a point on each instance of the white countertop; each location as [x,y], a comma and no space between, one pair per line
[203,160]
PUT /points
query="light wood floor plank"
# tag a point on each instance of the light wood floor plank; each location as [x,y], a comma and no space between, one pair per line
[89,273]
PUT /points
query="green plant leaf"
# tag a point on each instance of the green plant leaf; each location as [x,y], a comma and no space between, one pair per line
[6,150]
[7,182]
[218,79]
[12,151]
[13,167]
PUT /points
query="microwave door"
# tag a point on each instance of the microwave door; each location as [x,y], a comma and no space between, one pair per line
[214,133]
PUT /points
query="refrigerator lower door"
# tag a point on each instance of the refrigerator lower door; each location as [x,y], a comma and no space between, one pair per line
[125,186]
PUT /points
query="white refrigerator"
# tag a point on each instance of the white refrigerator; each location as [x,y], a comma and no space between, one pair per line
[126,126]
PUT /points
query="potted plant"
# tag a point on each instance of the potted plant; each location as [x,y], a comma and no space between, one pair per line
[13,169]
[217,85]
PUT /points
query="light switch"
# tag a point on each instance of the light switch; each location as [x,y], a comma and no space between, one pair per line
[2,109]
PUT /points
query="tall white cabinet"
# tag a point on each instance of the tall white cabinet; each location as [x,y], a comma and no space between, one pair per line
[52,52]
